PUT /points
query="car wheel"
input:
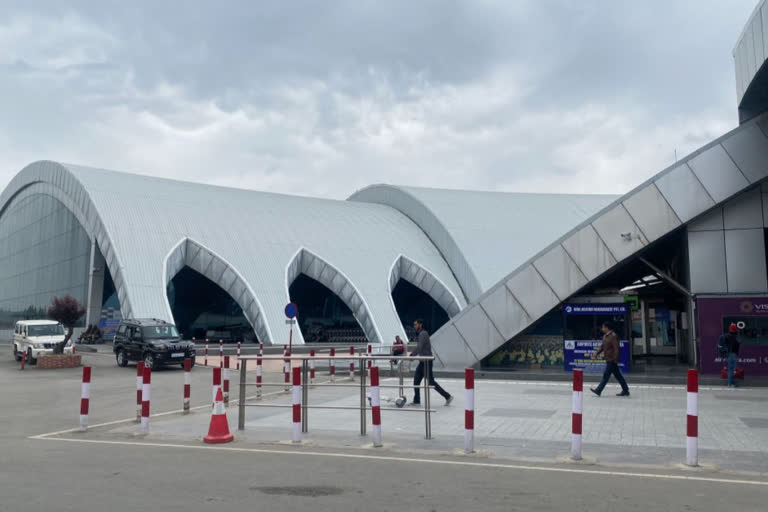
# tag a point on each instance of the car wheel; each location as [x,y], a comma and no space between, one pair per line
[149,361]
[122,358]
[16,353]
[30,359]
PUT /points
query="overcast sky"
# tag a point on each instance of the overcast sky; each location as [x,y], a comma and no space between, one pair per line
[325,97]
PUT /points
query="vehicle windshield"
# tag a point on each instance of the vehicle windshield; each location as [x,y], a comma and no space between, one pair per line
[159,332]
[45,330]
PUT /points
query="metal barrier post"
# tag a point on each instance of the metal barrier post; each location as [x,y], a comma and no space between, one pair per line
[363,398]
[427,405]
[304,395]
[400,371]
[241,398]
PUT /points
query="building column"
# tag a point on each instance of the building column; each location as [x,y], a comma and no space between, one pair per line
[95,285]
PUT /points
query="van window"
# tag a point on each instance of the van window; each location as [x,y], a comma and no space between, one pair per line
[121,330]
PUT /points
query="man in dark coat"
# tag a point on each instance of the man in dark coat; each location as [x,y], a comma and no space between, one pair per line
[610,350]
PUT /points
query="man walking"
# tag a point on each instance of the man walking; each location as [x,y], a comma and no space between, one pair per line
[610,350]
[424,348]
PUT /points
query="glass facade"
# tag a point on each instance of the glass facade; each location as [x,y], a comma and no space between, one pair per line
[323,316]
[202,309]
[412,303]
[44,253]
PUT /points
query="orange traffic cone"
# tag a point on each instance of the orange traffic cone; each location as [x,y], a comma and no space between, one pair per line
[218,432]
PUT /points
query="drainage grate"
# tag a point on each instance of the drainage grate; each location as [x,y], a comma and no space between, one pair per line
[307,491]
[755,422]
[520,413]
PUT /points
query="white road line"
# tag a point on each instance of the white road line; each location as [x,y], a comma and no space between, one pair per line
[382,458]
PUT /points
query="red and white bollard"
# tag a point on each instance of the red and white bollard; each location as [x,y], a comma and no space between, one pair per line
[469,410]
[370,353]
[376,406]
[287,370]
[145,398]
[261,349]
[23,360]
[221,353]
[205,361]
[225,377]
[332,365]
[139,385]
[258,377]
[576,413]
[85,398]
[296,402]
[351,363]
[216,383]
[692,440]
[312,367]
[187,383]
[238,355]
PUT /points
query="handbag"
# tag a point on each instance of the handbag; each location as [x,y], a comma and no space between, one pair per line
[738,373]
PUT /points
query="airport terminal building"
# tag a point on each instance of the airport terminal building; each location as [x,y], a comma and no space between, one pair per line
[505,280]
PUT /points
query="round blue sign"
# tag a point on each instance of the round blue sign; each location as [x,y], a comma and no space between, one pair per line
[291,310]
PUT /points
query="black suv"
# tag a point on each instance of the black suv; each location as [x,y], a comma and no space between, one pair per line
[156,342]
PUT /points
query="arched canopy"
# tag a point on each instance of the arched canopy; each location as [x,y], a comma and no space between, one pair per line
[307,263]
[408,270]
[209,264]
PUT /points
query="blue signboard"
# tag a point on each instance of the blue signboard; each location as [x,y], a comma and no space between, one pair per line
[596,309]
[578,354]
[291,310]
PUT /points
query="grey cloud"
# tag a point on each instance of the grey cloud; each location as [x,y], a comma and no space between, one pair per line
[324,97]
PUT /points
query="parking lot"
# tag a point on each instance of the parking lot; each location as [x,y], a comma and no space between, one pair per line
[522,441]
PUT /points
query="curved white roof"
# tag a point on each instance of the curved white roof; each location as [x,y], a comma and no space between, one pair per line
[485,234]
[250,243]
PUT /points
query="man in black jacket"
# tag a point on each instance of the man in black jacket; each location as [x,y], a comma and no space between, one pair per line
[424,348]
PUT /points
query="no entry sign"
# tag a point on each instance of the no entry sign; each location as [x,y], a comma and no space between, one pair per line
[291,310]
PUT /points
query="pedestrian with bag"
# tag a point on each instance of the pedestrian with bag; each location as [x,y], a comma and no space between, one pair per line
[610,350]
[728,345]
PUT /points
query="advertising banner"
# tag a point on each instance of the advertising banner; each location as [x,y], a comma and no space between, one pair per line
[578,355]
[750,314]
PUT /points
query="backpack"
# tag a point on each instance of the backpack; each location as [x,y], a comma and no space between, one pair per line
[722,345]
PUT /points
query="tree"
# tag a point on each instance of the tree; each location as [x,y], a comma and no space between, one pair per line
[67,311]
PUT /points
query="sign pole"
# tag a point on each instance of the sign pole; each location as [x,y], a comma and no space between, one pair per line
[291,312]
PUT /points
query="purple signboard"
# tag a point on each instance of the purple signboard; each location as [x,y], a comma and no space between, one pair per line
[750,314]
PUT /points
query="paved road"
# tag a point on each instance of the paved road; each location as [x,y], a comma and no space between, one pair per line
[126,473]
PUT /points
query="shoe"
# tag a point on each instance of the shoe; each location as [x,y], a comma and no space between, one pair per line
[448,400]
[623,393]
[594,391]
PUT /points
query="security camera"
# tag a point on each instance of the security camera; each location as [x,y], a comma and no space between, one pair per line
[626,236]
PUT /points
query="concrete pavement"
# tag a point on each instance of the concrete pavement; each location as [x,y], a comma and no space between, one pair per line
[112,468]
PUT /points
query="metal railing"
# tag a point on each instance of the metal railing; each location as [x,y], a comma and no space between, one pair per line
[362,359]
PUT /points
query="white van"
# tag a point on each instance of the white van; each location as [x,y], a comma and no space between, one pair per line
[36,337]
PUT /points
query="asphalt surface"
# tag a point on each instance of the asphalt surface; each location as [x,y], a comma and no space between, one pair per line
[97,472]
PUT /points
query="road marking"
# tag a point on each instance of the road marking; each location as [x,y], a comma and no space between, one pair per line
[485,465]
